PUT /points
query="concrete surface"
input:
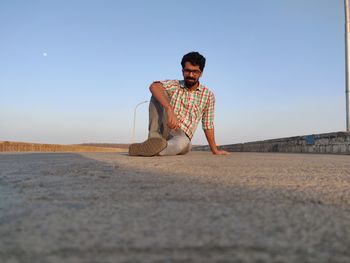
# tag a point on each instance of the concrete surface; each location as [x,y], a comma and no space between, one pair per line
[330,143]
[109,207]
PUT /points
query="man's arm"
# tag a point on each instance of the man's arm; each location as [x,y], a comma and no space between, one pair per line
[209,134]
[208,125]
[158,92]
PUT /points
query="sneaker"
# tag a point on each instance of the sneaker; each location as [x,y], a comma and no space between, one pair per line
[150,147]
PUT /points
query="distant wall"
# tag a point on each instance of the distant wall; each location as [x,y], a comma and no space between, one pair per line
[36,147]
[333,143]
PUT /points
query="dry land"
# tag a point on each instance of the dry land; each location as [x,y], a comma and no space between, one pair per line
[109,207]
[7,146]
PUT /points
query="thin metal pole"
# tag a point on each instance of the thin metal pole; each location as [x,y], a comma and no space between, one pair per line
[347,63]
[133,128]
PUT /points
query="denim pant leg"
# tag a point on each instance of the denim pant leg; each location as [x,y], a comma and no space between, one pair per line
[157,126]
[177,140]
[178,143]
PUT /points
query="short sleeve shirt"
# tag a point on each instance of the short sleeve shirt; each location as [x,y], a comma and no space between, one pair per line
[191,106]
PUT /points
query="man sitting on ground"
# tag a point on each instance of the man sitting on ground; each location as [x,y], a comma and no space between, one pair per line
[175,109]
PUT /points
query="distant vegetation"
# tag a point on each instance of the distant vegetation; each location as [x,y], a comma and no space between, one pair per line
[107,145]
[38,147]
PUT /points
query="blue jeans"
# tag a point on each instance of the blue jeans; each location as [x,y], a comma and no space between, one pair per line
[177,140]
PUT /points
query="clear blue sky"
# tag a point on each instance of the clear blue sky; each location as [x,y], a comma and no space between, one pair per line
[73,71]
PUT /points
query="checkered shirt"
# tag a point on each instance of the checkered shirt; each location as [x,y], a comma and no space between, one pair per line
[191,107]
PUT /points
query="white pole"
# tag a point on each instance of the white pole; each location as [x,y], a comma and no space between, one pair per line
[133,128]
[347,63]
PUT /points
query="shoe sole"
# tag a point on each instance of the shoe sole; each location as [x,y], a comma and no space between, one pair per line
[150,147]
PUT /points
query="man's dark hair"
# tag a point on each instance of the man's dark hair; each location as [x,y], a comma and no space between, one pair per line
[195,59]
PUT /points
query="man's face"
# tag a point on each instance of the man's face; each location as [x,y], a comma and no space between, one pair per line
[191,74]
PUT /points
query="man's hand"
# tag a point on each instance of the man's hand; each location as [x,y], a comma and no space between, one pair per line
[211,140]
[220,152]
[172,120]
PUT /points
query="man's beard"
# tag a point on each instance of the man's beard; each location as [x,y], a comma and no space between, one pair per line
[190,82]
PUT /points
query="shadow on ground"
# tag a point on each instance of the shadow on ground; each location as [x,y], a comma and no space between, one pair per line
[193,208]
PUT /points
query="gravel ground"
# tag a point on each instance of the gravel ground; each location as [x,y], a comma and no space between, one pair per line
[109,207]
